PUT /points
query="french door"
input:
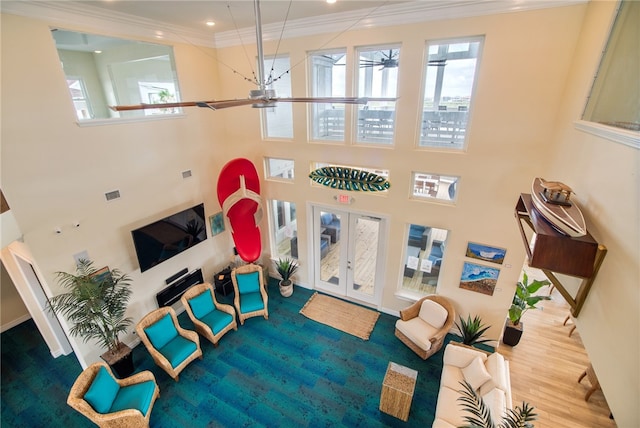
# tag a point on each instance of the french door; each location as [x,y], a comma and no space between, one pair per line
[348,253]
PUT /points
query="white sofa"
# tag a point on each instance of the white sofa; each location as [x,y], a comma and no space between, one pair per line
[487,373]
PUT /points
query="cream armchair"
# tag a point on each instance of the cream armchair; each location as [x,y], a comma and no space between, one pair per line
[424,325]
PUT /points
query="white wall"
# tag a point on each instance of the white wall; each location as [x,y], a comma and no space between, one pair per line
[531,80]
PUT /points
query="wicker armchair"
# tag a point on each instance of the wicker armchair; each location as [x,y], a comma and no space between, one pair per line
[163,354]
[119,418]
[250,295]
[210,318]
[423,327]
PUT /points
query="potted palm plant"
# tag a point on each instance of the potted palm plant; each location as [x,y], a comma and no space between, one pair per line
[471,330]
[286,268]
[523,300]
[480,416]
[96,304]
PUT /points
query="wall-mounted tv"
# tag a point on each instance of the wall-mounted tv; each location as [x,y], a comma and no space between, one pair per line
[165,238]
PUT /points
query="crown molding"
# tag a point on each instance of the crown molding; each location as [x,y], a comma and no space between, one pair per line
[69,14]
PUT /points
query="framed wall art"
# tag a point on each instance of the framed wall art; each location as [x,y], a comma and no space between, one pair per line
[486,253]
[478,278]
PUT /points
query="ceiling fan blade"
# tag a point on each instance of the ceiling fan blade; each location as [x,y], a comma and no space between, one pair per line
[336,100]
[217,105]
[160,105]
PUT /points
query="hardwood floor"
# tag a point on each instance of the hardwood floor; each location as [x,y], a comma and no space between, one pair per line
[545,367]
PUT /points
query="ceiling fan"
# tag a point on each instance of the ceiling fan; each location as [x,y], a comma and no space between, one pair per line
[386,61]
[258,98]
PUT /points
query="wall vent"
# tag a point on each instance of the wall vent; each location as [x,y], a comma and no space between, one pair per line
[186,174]
[112,195]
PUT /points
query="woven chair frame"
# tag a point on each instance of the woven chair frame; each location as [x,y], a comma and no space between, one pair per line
[160,359]
[438,339]
[200,326]
[121,419]
[263,292]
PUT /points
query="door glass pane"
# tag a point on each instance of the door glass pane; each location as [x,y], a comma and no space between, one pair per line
[366,254]
[423,257]
[284,229]
[330,225]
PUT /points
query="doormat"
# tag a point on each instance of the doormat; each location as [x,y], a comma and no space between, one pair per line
[341,315]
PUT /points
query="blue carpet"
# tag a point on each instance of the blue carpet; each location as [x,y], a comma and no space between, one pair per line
[284,371]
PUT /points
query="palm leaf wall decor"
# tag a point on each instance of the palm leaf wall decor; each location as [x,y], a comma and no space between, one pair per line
[343,178]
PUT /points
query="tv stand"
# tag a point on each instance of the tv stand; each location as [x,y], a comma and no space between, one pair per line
[172,293]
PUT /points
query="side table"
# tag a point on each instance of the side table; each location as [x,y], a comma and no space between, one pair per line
[222,282]
[397,390]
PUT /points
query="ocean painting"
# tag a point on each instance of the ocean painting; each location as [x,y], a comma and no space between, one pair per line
[485,252]
[478,278]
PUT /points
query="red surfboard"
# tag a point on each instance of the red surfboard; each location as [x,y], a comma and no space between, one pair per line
[239,196]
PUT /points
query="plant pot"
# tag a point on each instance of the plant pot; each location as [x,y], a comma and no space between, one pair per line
[121,361]
[512,333]
[286,288]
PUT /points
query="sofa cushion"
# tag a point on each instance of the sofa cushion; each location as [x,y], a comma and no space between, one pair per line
[441,423]
[448,407]
[496,402]
[161,332]
[461,356]
[137,396]
[326,218]
[418,331]
[433,313]
[496,367]
[248,282]
[102,392]
[217,320]
[177,350]
[451,377]
[476,373]
[202,304]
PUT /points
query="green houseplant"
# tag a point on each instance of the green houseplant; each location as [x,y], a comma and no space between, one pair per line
[523,300]
[286,268]
[471,330]
[480,417]
[96,304]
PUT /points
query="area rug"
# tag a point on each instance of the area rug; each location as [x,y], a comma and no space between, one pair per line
[341,315]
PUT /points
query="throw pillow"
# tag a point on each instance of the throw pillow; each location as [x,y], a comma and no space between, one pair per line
[248,282]
[476,373]
[433,313]
[497,368]
[102,392]
[161,332]
[202,304]
[496,401]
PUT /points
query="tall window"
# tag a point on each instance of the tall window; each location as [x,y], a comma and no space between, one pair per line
[278,120]
[423,257]
[377,78]
[616,89]
[327,80]
[284,230]
[450,72]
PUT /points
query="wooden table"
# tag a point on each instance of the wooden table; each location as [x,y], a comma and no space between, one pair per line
[397,390]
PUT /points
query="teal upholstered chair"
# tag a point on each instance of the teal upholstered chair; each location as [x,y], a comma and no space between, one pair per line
[250,297]
[210,318]
[110,402]
[171,346]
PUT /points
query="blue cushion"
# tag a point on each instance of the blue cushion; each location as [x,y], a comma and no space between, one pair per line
[202,304]
[102,392]
[178,350]
[326,218]
[217,320]
[137,396]
[248,282]
[251,302]
[415,231]
[161,332]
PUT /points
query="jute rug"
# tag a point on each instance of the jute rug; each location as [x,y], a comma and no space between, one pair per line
[341,315]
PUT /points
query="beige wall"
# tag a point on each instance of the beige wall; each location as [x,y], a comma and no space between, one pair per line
[533,77]
[604,175]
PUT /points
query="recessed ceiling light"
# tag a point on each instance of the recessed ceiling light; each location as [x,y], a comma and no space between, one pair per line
[331,1]
[210,23]
[97,52]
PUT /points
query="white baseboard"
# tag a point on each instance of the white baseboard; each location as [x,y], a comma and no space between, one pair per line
[14,323]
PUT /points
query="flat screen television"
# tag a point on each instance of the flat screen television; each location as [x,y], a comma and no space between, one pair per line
[168,237]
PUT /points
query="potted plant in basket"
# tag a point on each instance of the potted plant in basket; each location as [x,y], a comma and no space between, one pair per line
[96,304]
[286,268]
[523,300]
[472,330]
